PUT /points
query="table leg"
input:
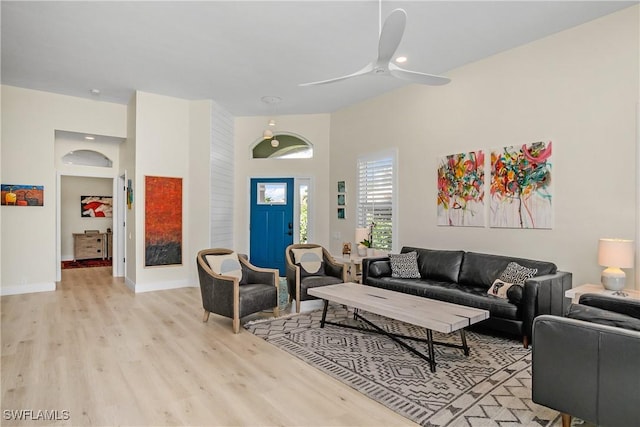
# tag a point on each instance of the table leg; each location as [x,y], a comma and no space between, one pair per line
[432,354]
[324,313]
[463,337]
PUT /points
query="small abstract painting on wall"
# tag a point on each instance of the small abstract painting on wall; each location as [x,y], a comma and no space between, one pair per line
[163,221]
[22,195]
[461,189]
[96,206]
[521,193]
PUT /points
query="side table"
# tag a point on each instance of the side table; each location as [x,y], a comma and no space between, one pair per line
[354,267]
[575,293]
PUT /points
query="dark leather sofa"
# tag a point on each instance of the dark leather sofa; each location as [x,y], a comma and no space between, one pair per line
[587,364]
[464,277]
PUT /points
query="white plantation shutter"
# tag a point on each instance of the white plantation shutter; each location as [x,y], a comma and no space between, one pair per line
[375,197]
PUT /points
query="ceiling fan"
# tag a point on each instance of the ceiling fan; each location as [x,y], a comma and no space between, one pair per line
[390,37]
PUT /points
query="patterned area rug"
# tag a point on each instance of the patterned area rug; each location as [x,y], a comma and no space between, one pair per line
[490,387]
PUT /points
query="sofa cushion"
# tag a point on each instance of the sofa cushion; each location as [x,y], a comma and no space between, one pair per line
[404,265]
[514,294]
[379,268]
[438,264]
[627,306]
[482,269]
[603,317]
[450,292]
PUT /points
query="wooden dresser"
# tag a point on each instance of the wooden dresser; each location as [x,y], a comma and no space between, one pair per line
[88,245]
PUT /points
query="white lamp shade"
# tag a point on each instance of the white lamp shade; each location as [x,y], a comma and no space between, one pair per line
[361,234]
[615,253]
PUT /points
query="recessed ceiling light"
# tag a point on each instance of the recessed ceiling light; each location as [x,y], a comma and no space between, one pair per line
[401,59]
[89,138]
[95,91]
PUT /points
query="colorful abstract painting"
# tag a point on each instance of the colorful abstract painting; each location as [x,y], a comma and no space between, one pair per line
[521,186]
[22,195]
[163,221]
[461,189]
[96,206]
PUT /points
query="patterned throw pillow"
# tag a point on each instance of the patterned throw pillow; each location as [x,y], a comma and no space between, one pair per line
[310,260]
[226,265]
[517,274]
[499,288]
[405,266]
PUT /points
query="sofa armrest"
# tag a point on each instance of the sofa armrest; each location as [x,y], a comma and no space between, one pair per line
[544,295]
[367,262]
[586,370]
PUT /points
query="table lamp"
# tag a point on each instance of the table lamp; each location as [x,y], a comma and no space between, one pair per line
[614,254]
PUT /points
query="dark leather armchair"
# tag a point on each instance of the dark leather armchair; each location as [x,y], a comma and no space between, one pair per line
[247,290]
[587,364]
[299,280]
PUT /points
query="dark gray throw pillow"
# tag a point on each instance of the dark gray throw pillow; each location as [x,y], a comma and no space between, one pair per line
[405,266]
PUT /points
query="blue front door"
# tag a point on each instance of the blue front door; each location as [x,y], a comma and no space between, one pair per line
[271,229]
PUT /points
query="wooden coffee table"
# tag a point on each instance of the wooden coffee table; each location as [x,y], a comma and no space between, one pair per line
[430,314]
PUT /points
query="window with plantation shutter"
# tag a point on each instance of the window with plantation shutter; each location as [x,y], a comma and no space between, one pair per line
[376,182]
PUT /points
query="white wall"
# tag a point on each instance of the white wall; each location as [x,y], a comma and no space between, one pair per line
[578,88]
[71,220]
[29,121]
[313,127]
[172,138]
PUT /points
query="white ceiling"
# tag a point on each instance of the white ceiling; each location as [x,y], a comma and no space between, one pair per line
[236,52]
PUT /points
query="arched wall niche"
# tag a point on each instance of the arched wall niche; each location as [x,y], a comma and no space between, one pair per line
[288,146]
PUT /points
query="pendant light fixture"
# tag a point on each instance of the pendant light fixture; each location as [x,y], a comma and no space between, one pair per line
[271,101]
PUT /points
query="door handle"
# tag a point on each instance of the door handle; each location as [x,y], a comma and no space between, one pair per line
[290,226]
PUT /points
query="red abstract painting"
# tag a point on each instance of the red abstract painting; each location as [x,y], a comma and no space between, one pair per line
[163,221]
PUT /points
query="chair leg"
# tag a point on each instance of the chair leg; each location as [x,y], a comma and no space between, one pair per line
[205,318]
[236,325]
[525,341]
[566,420]
[276,311]
[297,306]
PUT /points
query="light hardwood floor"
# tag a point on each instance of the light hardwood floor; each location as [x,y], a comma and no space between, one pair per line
[110,357]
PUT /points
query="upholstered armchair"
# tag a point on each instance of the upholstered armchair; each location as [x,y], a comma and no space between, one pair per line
[587,364]
[310,266]
[232,287]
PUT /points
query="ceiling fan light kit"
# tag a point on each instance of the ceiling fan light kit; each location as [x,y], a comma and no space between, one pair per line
[390,37]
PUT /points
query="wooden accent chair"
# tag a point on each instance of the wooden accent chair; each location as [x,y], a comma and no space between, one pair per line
[232,287]
[318,272]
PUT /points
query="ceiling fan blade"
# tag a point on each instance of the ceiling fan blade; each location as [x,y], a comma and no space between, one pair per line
[417,77]
[365,70]
[391,35]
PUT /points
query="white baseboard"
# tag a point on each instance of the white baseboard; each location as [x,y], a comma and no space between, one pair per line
[27,289]
[159,286]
